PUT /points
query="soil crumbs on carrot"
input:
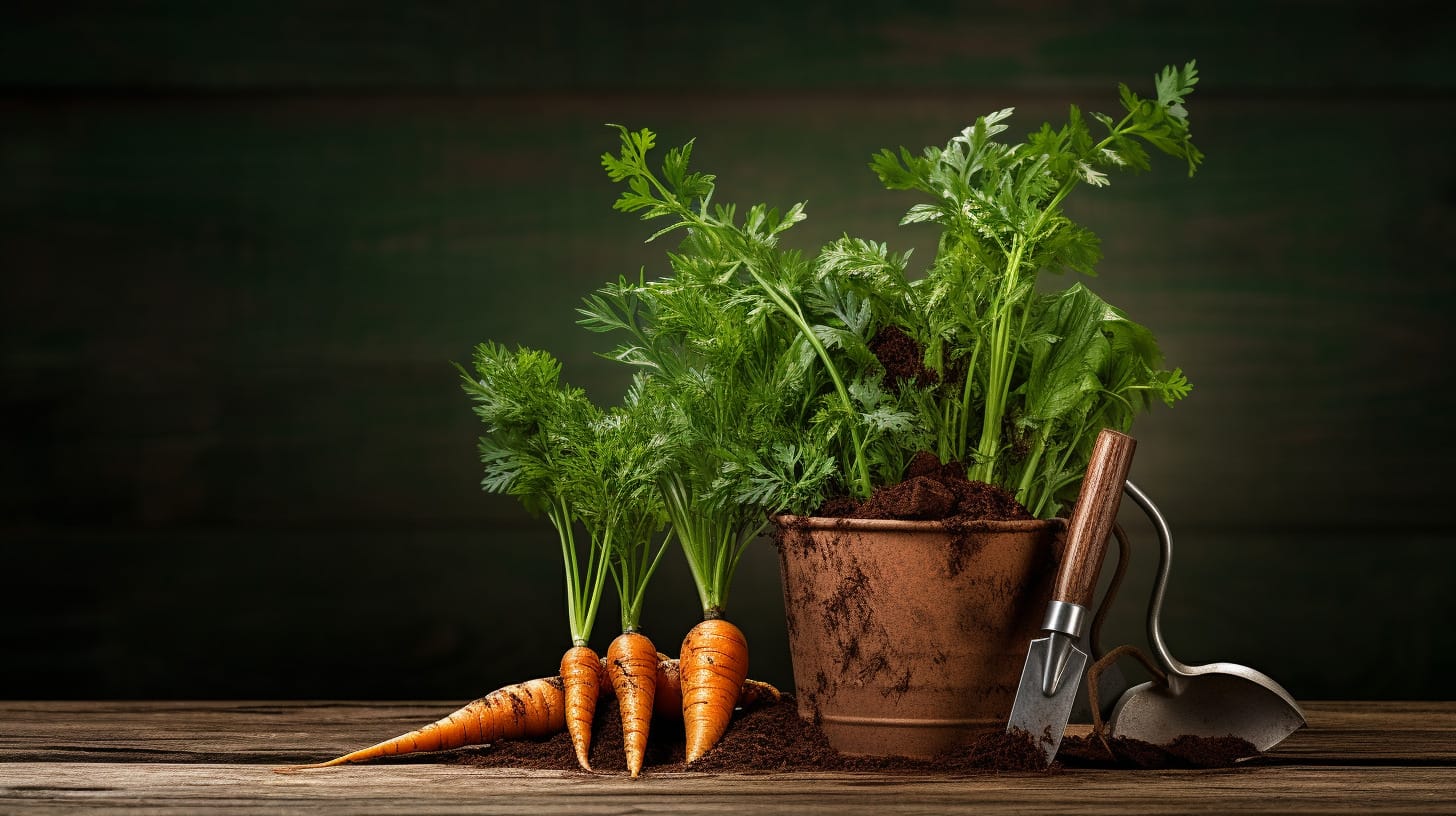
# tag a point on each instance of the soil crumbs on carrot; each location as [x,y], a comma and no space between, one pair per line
[931,490]
[774,739]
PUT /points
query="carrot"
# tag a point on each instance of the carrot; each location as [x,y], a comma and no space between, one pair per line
[581,676]
[756,693]
[667,700]
[714,666]
[535,708]
[668,703]
[632,669]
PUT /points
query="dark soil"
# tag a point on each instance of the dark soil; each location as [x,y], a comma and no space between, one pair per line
[1183,752]
[773,738]
[931,490]
[903,359]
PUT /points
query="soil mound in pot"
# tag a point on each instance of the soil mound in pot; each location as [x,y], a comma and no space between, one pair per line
[774,738]
[931,491]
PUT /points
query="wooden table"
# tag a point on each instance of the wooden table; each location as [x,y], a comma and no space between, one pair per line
[189,757]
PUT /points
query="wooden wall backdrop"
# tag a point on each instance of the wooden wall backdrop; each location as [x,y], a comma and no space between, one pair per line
[243,243]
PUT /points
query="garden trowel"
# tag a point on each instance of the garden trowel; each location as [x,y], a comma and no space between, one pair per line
[1054,664]
[1211,700]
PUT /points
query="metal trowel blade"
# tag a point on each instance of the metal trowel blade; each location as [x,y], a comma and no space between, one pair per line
[1246,704]
[1045,717]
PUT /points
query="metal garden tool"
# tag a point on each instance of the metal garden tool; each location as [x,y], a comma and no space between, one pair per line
[1212,700]
[1054,664]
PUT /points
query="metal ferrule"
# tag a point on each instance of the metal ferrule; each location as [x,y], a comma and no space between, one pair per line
[1067,618]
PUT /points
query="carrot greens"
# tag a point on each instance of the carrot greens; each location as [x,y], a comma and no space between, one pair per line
[1015,383]
[536,447]
[999,207]
[725,384]
[620,506]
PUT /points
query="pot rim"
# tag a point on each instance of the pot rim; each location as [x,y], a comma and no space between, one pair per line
[791,521]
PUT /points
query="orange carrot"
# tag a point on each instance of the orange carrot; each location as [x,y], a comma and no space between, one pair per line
[714,666]
[581,676]
[667,700]
[632,669]
[535,708]
[756,693]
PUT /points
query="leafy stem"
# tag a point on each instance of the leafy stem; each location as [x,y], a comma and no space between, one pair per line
[791,309]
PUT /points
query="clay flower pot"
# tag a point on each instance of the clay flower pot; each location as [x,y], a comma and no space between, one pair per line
[908,637]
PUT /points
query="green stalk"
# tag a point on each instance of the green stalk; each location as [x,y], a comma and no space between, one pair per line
[678,503]
[579,635]
[713,543]
[581,607]
[746,534]
[1038,448]
[645,567]
[998,378]
[965,407]
[795,314]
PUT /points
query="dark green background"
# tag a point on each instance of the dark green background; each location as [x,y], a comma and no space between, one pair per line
[243,243]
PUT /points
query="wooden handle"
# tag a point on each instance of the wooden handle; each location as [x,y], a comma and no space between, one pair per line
[1093,517]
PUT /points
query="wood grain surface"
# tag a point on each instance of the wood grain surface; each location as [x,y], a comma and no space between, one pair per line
[176,757]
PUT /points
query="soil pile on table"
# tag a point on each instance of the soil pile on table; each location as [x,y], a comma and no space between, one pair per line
[774,738]
[1184,752]
[931,490]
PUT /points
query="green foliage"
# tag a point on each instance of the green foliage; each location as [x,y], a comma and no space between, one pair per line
[1033,366]
[758,386]
[727,379]
[548,445]
[1022,383]
[619,504]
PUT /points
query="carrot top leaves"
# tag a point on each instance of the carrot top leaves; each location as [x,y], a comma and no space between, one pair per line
[539,446]
[729,380]
[549,446]
[977,311]
[1015,384]
[764,385]
[620,504]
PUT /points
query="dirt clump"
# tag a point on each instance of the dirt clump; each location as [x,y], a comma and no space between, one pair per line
[903,358]
[997,751]
[1187,751]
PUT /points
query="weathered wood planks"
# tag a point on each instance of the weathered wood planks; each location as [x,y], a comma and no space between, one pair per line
[188,757]
[287,731]
[412,789]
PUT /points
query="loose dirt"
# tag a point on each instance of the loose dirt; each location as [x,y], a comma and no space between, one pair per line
[902,357]
[774,739]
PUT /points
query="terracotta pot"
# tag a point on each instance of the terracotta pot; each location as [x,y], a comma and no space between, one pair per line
[908,637]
